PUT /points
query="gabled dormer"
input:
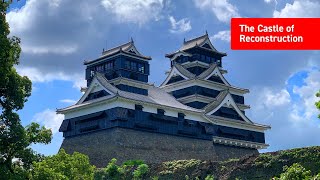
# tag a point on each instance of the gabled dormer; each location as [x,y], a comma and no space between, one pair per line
[121,62]
[198,49]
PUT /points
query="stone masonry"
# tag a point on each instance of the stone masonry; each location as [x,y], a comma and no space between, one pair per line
[128,144]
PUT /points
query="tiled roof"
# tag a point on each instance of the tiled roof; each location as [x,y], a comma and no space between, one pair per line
[122,48]
[104,82]
[155,95]
[184,71]
[217,102]
[207,72]
[196,42]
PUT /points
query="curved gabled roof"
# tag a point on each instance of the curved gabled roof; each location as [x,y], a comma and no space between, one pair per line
[180,70]
[207,72]
[124,48]
[213,68]
[155,95]
[225,97]
[197,42]
[184,71]
[221,96]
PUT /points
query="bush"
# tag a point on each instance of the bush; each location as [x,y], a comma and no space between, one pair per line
[209,177]
[295,172]
[141,171]
[63,166]
[113,171]
[132,169]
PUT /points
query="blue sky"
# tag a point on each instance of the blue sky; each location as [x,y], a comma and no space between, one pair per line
[57,36]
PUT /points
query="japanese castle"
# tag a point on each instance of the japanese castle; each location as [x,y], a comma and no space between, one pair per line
[194,114]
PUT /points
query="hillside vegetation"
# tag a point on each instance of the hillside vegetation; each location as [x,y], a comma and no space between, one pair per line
[294,164]
[304,162]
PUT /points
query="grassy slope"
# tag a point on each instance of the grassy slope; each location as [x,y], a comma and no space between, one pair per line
[263,166]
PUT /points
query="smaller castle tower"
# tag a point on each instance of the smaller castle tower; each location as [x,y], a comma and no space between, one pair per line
[124,66]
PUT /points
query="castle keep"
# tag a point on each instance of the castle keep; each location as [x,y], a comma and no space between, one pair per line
[195,113]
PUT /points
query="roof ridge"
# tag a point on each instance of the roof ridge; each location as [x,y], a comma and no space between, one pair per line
[211,68]
[218,100]
[111,88]
[119,46]
[184,71]
[194,39]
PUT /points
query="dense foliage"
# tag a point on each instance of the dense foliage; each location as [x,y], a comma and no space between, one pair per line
[63,166]
[295,172]
[133,169]
[16,155]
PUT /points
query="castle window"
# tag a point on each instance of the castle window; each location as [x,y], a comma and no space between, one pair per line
[196,56]
[133,66]
[185,59]
[160,111]
[127,64]
[141,68]
[208,59]
[219,62]
[109,65]
[100,68]
[138,107]
[91,73]
[203,57]
[213,60]
[181,115]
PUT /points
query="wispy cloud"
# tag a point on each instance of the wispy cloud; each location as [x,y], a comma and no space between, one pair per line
[138,11]
[222,35]
[305,110]
[183,25]
[222,9]
[68,101]
[36,75]
[299,8]
[50,119]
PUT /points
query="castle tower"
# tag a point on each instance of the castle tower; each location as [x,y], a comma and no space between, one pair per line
[194,114]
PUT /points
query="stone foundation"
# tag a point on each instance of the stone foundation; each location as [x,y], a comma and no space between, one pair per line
[128,144]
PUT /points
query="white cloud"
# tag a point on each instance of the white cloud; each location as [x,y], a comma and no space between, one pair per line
[68,101]
[137,11]
[306,110]
[57,35]
[63,50]
[183,25]
[269,1]
[269,98]
[299,8]
[20,19]
[50,119]
[35,75]
[276,98]
[222,9]
[293,118]
[222,35]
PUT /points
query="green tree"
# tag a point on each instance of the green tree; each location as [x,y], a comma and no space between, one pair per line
[141,171]
[295,172]
[63,166]
[113,171]
[318,103]
[15,140]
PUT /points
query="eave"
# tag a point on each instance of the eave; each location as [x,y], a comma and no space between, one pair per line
[239,143]
[120,52]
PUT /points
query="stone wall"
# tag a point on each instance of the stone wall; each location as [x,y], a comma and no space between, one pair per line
[128,144]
